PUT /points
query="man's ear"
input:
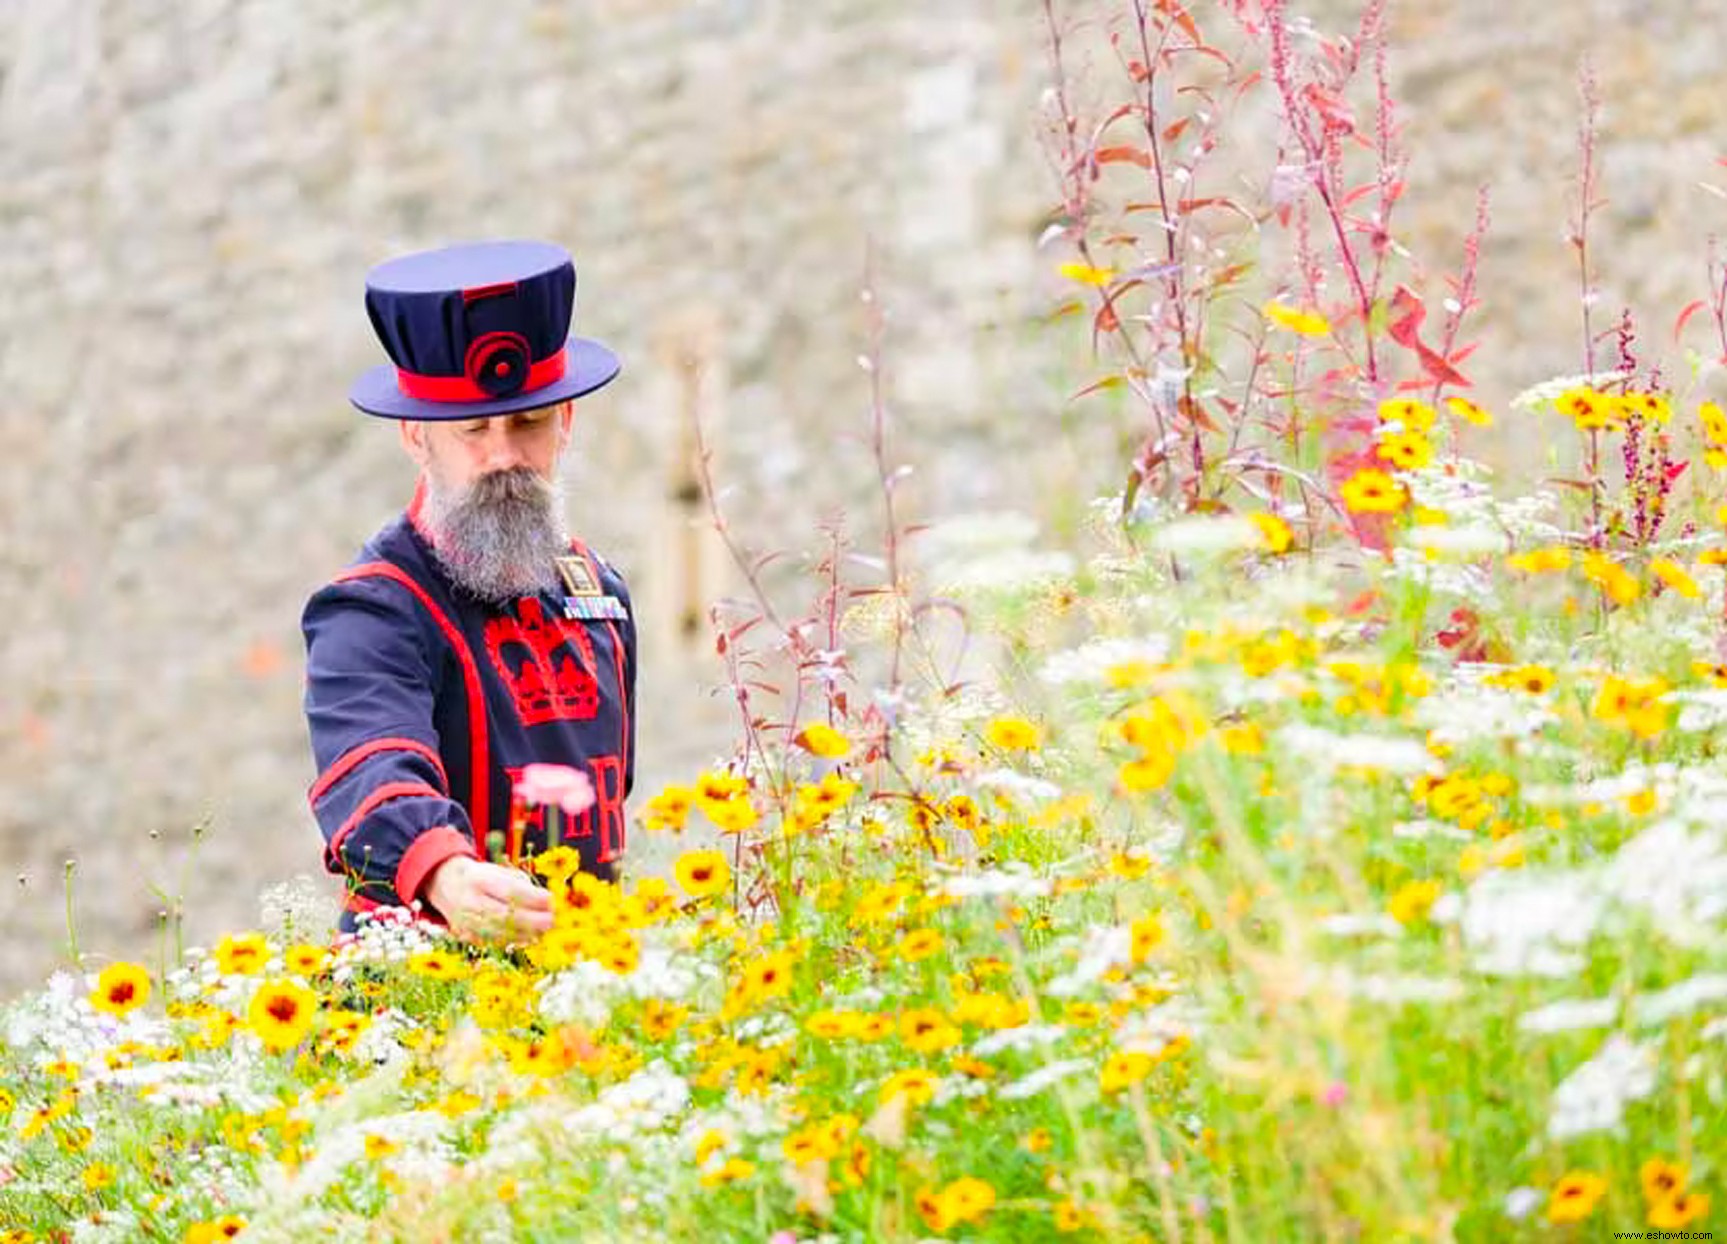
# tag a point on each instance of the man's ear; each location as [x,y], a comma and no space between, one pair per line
[566,417]
[413,434]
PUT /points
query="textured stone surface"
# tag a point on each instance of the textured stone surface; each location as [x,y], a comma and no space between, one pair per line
[191,193]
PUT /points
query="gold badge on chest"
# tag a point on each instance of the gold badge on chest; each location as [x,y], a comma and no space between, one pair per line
[578,577]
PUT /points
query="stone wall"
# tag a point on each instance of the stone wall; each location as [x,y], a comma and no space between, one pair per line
[190,193]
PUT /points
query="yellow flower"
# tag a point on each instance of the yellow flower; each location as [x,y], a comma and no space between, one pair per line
[926,1030]
[830,1025]
[968,1199]
[1412,901]
[1467,410]
[305,959]
[1125,1067]
[1408,413]
[1661,1179]
[1407,451]
[1302,323]
[1651,406]
[1037,1140]
[820,739]
[919,944]
[933,1210]
[379,1146]
[121,989]
[1013,734]
[1085,274]
[1552,558]
[917,1086]
[1274,533]
[769,976]
[1150,772]
[242,954]
[661,1019]
[669,809]
[1129,865]
[1588,409]
[1068,1217]
[1714,675]
[1634,704]
[438,965]
[1618,583]
[97,1176]
[1372,491]
[1574,1197]
[816,801]
[281,1013]
[1679,1210]
[1714,423]
[1147,935]
[1673,575]
[1530,679]
[731,817]
[730,1172]
[702,873]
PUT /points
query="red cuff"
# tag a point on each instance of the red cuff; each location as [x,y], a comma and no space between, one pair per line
[424,854]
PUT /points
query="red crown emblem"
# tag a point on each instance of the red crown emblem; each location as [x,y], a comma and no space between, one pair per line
[546,662]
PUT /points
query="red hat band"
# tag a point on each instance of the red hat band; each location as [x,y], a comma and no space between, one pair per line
[496,366]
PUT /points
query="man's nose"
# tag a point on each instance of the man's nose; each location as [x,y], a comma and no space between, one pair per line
[499,451]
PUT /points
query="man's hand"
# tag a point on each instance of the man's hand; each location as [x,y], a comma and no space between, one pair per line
[487,902]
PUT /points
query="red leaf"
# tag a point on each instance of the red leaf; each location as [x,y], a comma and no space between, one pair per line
[1435,365]
[1123,155]
[1407,313]
[1181,17]
[1691,309]
[1195,413]
[1359,192]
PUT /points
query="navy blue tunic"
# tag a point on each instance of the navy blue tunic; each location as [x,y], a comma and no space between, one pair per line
[424,704]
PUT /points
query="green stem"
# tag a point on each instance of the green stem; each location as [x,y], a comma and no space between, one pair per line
[71,924]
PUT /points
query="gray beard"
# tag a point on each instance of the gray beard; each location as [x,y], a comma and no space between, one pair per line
[497,539]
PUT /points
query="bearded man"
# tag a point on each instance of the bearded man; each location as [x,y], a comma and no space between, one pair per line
[472,637]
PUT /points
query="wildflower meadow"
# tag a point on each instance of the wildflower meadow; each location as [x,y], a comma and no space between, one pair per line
[1324,839]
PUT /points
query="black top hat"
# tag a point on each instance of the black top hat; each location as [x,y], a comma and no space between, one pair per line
[476,330]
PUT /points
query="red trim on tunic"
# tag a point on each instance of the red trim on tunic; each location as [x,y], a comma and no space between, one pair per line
[479,809]
[623,706]
[425,853]
[350,759]
[382,795]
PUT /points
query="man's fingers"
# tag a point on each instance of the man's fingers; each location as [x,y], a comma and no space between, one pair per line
[515,890]
[501,916]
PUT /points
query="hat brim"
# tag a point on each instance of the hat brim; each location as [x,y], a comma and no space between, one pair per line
[588,365]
